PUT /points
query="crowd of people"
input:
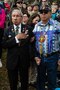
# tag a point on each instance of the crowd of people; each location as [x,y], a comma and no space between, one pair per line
[31,35]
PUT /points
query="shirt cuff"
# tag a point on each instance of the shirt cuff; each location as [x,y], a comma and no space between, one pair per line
[17,41]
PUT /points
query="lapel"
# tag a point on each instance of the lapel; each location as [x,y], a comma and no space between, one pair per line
[23,28]
[12,31]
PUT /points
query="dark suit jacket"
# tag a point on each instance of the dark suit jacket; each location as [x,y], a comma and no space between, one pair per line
[16,50]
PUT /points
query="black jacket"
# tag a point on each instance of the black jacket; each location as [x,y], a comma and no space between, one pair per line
[16,50]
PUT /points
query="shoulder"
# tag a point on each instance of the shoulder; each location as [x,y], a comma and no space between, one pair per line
[8,29]
[55,23]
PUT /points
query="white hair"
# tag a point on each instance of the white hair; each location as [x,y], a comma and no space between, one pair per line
[17,10]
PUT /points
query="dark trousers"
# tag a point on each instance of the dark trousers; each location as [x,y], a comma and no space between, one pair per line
[50,67]
[1,35]
[13,76]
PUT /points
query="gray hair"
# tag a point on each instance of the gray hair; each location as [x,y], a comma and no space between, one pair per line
[17,10]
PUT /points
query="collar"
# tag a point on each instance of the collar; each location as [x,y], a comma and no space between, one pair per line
[50,22]
[18,26]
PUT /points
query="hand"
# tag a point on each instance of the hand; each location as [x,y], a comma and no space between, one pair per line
[38,60]
[59,62]
[22,36]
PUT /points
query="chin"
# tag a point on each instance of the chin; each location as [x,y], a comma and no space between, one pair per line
[16,23]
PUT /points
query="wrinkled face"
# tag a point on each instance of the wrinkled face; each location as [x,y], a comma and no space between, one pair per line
[36,20]
[45,15]
[16,17]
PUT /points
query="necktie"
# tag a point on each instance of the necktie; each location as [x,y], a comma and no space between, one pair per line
[17,30]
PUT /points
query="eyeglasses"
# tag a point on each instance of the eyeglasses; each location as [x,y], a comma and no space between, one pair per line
[44,11]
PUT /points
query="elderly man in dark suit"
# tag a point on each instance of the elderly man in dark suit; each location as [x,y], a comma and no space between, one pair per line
[17,40]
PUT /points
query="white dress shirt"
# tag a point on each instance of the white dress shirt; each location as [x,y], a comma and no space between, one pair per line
[19,30]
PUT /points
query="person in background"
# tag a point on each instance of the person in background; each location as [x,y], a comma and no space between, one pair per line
[29,9]
[55,12]
[24,7]
[35,2]
[25,18]
[7,6]
[44,2]
[2,25]
[17,41]
[47,52]
[7,9]
[1,3]
[59,8]
[59,13]
[33,20]
[35,9]
[19,5]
